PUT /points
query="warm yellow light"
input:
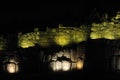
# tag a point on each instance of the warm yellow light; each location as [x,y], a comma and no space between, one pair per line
[79,36]
[29,39]
[106,29]
[95,35]
[26,44]
[58,65]
[57,36]
[80,64]
[12,68]
[66,65]
[62,40]
[67,60]
[107,36]
[53,65]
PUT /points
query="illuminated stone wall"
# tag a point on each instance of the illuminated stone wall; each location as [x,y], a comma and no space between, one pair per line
[28,39]
[67,60]
[10,62]
[106,29]
[61,36]
[64,36]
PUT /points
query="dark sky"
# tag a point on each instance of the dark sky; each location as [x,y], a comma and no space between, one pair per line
[25,19]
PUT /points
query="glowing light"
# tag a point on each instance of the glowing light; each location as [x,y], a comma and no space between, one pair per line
[52,66]
[58,65]
[12,68]
[12,60]
[67,60]
[80,64]
[62,39]
[95,35]
[109,36]
[66,65]
[26,44]
[28,39]
[60,54]
[106,29]
[57,36]
[79,36]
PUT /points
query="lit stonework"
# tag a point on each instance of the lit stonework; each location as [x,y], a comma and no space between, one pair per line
[11,63]
[106,29]
[61,36]
[67,60]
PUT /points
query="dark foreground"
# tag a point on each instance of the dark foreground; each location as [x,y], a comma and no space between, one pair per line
[77,75]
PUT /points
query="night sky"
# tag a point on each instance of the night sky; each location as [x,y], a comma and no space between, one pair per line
[14,20]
